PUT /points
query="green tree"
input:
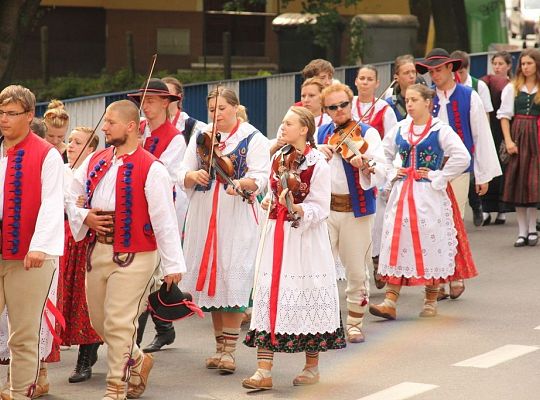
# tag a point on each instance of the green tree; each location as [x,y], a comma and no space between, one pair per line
[16,17]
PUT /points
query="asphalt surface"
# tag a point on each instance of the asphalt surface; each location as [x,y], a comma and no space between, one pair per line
[499,308]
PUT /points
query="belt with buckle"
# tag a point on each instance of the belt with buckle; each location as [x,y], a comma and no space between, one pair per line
[341,202]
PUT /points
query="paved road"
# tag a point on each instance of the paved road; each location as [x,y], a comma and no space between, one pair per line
[498,312]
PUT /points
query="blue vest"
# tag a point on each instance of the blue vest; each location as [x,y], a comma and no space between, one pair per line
[393,105]
[238,157]
[460,101]
[363,201]
[428,153]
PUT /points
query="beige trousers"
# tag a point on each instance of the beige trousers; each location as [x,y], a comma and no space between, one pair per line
[460,186]
[24,293]
[116,297]
[351,241]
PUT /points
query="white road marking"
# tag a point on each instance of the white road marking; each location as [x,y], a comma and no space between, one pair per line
[497,356]
[404,390]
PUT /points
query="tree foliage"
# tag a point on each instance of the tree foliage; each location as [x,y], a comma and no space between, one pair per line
[16,17]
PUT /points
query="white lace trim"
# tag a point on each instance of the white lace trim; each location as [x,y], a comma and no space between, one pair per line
[301,310]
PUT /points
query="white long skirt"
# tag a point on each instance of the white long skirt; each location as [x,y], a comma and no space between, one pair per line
[436,231]
[237,240]
[308,299]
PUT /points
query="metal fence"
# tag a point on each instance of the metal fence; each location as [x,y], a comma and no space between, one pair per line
[266,98]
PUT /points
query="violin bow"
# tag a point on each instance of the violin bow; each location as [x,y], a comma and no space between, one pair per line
[214,130]
[154,58]
[152,65]
[360,117]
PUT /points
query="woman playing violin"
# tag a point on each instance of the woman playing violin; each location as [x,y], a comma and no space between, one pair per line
[221,227]
[424,242]
[352,203]
[296,303]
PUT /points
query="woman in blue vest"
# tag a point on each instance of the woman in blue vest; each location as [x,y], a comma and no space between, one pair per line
[519,114]
[220,241]
[422,225]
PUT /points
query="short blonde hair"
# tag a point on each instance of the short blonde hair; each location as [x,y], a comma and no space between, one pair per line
[306,119]
[315,82]
[56,115]
[337,87]
[18,94]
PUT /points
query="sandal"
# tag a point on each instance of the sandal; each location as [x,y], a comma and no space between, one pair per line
[227,364]
[532,238]
[456,289]
[258,382]
[307,377]
[354,333]
[521,241]
[429,310]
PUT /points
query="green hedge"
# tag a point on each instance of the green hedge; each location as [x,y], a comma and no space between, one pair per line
[71,86]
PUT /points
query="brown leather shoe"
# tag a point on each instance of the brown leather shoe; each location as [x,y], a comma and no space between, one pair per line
[212,362]
[227,364]
[139,379]
[429,310]
[456,289]
[307,377]
[442,293]
[115,391]
[383,311]
[42,384]
[258,382]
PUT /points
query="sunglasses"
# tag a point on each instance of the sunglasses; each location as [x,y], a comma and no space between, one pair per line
[336,106]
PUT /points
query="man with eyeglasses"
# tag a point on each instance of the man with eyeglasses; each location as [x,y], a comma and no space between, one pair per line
[352,202]
[32,228]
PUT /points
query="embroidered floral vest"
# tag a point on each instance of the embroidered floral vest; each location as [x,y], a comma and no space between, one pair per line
[428,153]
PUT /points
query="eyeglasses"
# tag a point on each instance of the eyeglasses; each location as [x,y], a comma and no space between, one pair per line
[11,114]
[336,106]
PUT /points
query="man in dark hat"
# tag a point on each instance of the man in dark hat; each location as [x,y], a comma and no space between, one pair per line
[161,138]
[462,109]
[130,214]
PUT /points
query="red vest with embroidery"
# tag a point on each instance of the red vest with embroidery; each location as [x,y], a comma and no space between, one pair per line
[22,195]
[377,121]
[300,196]
[160,138]
[132,228]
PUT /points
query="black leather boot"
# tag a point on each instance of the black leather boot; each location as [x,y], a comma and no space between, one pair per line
[93,353]
[143,318]
[164,335]
[83,369]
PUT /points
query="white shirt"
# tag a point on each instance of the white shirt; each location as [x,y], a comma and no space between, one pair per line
[48,234]
[158,194]
[508,97]
[257,159]
[486,162]
[375,152]
[181,124]
[483,92]
[450,142]
[389,117]
[173,155]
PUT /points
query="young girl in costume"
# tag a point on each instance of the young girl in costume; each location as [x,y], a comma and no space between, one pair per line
[424,242]
[296,303]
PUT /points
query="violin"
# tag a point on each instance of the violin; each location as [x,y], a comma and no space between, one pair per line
[348,141]
[286,166]
[215,161]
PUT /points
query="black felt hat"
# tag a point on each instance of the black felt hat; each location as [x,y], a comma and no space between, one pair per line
[435,58]
[156,87]
[172,305]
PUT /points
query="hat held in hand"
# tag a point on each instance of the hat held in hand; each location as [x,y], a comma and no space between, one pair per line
[172,305]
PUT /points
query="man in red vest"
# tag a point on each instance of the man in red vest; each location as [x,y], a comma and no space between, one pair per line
[130,214]
[31,194]
[161,138]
